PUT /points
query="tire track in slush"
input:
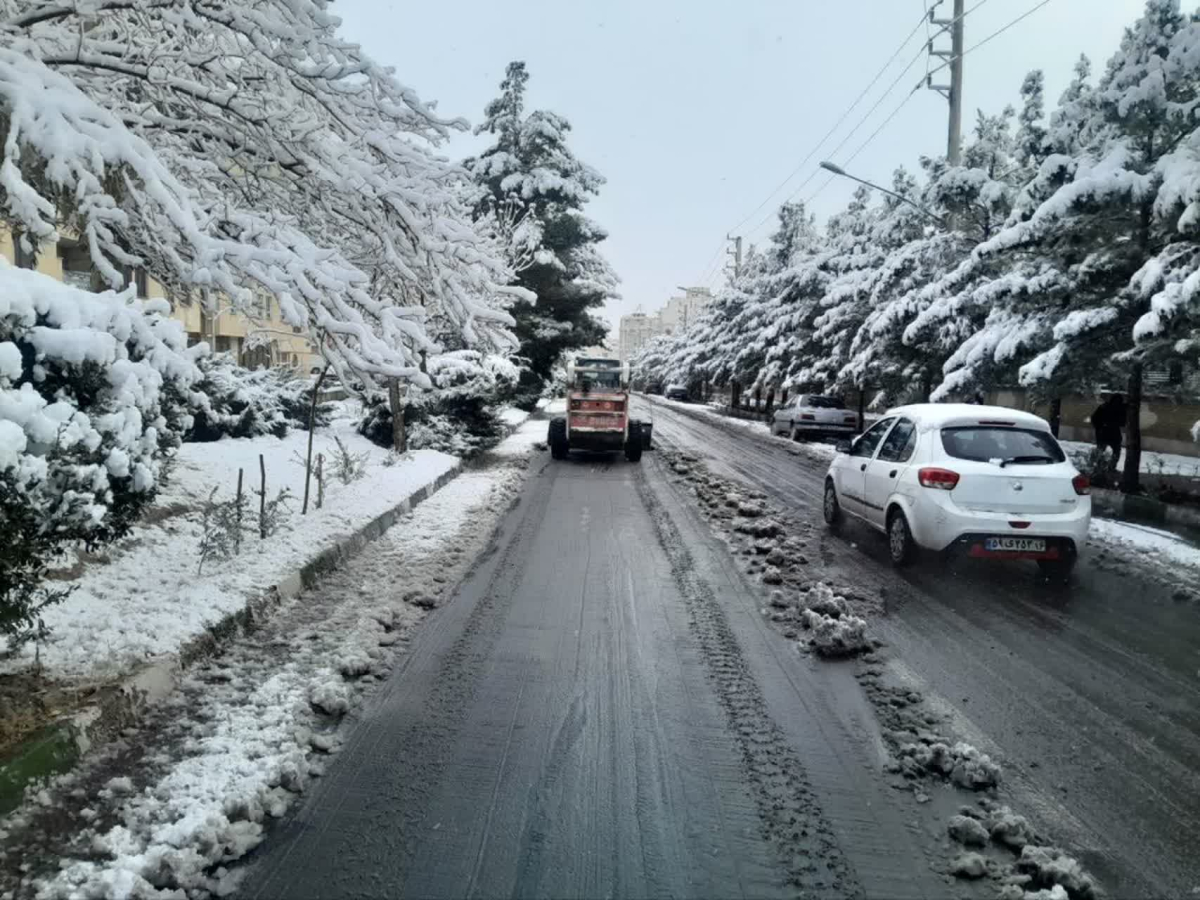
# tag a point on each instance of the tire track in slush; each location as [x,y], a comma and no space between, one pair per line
[792,820]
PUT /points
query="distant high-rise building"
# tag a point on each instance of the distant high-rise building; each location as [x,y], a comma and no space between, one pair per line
[680,312]
[636,329]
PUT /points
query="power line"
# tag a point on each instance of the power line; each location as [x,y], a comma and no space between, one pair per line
[848,135]
[994,34]
[944,27]
[836,125]
[861,147]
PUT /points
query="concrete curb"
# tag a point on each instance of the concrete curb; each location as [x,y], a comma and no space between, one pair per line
[58,747]
[1137,508]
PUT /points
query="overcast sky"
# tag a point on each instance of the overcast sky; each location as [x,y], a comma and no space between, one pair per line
[695,111]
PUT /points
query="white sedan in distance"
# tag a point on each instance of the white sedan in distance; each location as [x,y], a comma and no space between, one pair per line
[813,417]
[991,481]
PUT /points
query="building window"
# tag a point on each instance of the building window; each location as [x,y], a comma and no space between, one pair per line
[25,259]
[138,278]
[222,344]
[78,270]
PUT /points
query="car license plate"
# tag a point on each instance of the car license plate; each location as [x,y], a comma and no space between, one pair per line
[1017,545]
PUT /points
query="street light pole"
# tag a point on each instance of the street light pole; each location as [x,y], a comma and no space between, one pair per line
[838,170]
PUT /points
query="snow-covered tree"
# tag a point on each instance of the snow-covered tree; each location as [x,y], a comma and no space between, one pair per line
[231,146]
[530,173]
[1105,229]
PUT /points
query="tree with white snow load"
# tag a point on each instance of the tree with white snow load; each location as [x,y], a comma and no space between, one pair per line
[240,147]
[530,176]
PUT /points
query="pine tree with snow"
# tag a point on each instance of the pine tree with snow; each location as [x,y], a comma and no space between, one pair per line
[530,168]
[1105,222]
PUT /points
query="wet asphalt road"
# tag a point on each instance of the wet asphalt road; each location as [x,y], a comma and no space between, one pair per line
[1089,696]
[601,710]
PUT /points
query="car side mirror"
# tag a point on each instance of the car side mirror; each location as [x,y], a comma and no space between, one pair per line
[845,446]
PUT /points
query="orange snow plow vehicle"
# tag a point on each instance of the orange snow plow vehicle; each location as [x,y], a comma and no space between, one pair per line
[597,418]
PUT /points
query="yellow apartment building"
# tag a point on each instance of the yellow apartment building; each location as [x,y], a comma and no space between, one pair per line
[255,340]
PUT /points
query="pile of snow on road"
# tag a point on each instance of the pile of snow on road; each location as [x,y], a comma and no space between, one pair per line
[961,763]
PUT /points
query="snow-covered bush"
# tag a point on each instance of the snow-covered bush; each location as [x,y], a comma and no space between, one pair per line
[241,403]
[459,418]
[345,464]
[222,526]
[89,390]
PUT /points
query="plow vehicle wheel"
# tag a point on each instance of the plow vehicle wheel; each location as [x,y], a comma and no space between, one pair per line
[633,442]
[558,438]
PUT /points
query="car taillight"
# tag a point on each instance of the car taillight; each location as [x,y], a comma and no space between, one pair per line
[1082,485]
[941,479]
[807,417]
[850,420]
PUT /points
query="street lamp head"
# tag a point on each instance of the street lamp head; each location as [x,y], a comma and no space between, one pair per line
[835,169]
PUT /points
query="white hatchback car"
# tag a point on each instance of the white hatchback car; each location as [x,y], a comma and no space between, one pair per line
[989,480]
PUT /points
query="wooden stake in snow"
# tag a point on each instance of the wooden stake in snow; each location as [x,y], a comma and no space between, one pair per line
[237,535]
[320,480]
[312,421]
[262,499]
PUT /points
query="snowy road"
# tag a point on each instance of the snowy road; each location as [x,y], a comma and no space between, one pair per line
[602,710]
[1090,698]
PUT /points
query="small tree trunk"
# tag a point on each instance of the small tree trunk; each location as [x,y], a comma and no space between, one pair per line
[312,422]
[1130,481]
[862,402]
[770,400]
[262,499]
[735,394]
[1055,415]
[399,440]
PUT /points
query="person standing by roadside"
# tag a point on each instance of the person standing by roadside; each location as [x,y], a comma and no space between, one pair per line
[1107,421]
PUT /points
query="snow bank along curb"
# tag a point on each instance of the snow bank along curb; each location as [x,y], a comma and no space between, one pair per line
[60,746]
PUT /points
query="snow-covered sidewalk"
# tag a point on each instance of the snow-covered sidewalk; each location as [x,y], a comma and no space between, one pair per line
[144,597]
[193,790]
[147,597]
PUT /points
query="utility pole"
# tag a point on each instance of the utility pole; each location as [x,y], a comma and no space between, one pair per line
[736,253]
[954,90]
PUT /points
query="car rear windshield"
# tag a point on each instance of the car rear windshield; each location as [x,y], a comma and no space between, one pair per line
[1019,446]
[826,403]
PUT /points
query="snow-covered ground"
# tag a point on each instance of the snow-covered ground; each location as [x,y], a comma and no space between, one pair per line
[1151,544]
[1153,462]
[144,597]
[249,730]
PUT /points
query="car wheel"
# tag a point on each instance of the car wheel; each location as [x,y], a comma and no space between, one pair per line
[832,508]
[901,547]
[1056,570]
